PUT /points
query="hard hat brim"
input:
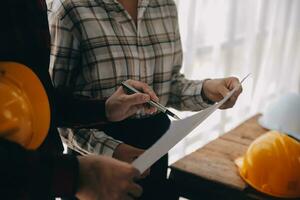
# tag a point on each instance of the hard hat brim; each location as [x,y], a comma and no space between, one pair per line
[35,92]
[239,162]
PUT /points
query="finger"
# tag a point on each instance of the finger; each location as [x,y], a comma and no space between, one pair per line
[232,82]
[133,110]
[239,91]
[150,110]
[135,99]
[228,104]
[232,99]
[135,190]
[143,87]
[235,96]
[223,90]
[120,90]
[225,106]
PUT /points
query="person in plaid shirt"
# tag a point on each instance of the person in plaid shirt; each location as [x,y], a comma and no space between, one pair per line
[46,173]
[97,44]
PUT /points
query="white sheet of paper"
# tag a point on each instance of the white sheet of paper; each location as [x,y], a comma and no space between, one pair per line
[177,131]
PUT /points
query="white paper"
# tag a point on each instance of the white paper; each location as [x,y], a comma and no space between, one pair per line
[177,131]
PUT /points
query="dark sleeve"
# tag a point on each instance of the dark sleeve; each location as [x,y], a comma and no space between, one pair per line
[23,38]
[78,111]
[32,175]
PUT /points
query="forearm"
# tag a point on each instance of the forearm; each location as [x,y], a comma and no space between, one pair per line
[187,94]
[78,111]
[29,174]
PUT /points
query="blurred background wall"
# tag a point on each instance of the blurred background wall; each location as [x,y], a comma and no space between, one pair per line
[233,38]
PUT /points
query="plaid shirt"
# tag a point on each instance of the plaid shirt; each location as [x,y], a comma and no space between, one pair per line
[96,45]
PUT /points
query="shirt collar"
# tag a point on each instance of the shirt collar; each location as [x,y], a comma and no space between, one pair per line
[116,4]
[115,9]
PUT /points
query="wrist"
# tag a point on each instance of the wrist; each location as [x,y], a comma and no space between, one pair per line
[204,92]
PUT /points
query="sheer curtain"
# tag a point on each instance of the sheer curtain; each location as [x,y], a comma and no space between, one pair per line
[231,37]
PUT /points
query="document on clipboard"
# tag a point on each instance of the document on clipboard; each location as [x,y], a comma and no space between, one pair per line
[177,131]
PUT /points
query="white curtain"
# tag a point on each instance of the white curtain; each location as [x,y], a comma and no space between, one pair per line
[232,37]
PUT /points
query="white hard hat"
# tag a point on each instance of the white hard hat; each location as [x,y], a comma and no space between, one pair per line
[283,114]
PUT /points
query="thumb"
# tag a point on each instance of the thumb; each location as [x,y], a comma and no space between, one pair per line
[135,99]
[223,91]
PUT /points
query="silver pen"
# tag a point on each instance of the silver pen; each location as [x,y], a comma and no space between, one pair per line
[132,90]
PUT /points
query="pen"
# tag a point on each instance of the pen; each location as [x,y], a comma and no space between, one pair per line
[132,90]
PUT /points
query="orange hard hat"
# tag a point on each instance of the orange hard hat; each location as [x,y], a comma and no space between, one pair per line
[272,165]
[24,106]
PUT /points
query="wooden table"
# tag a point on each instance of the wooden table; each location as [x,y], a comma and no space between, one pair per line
[210,172]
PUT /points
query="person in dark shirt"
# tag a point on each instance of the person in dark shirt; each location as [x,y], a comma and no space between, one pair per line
[46,173]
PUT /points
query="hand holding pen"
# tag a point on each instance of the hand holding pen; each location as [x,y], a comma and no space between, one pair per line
[131,90]
[120,105]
